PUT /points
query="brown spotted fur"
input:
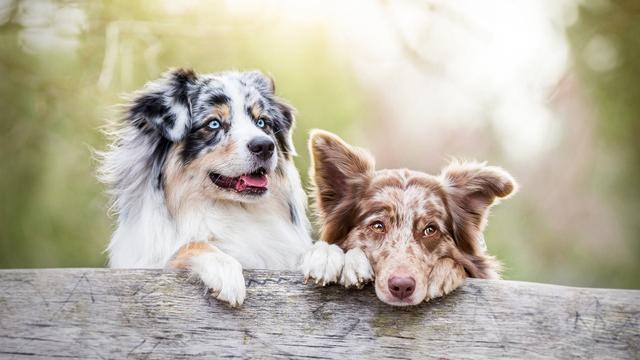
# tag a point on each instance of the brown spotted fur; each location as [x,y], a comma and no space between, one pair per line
[350,195]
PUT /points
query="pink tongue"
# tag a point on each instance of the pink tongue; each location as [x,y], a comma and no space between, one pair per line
[246,181]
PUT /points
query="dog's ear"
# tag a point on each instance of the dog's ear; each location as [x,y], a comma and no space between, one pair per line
[282,127]
[339,174]
[164,105]
[472,189]
[478,266]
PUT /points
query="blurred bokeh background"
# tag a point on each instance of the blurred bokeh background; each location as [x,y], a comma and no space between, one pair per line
[548,89]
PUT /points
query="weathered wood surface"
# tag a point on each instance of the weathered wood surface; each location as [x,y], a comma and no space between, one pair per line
[100,313]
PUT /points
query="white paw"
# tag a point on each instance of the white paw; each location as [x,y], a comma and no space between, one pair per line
[222,274]
[323,263]
[357,270]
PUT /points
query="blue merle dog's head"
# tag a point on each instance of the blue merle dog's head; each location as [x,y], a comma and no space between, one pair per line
[224,135]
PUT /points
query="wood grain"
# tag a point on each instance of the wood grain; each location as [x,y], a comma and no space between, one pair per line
[147,314]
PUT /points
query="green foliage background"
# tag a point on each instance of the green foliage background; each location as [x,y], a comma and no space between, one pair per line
[54,213]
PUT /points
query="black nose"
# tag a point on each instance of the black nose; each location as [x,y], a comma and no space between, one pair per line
[261,147]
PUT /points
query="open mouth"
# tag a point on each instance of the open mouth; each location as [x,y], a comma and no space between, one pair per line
[254,183]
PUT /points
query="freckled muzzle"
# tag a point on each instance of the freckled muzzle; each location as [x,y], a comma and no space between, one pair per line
[399,286]
[401,270]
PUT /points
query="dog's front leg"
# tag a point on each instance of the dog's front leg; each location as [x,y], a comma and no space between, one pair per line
[323,263]
[357,270]
[218,271]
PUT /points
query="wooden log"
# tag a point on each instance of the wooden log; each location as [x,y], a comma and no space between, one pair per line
[102,313]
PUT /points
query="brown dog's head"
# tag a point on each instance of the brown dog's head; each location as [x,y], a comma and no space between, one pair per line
[421,233]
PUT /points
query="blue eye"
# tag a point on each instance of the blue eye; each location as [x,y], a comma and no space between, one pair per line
[214,124]
[261,123]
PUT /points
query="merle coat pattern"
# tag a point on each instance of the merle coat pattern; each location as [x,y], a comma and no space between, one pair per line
[417,236]
[201,174]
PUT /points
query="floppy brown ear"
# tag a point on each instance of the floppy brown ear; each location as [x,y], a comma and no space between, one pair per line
[479,266]
[339,173]
[472,189]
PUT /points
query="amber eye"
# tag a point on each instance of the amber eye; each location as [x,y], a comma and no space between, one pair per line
[378,227]
[430,230]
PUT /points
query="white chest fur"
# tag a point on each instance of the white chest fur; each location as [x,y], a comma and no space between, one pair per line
[259,236]
[269,234]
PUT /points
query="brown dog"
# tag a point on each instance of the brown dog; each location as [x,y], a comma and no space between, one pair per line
[419,235]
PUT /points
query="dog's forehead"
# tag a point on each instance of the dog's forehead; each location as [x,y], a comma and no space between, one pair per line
[406,191]
[232,88]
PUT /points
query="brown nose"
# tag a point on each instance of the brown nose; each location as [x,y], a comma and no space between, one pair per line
[401,286]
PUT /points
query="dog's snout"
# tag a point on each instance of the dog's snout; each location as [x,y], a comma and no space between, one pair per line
[401,286]
[261,147]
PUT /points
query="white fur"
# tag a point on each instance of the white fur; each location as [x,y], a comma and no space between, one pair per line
[259,235]
[254,234]
[222,274]
[323,262]
[357,270]
[183,121]
[146,235]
